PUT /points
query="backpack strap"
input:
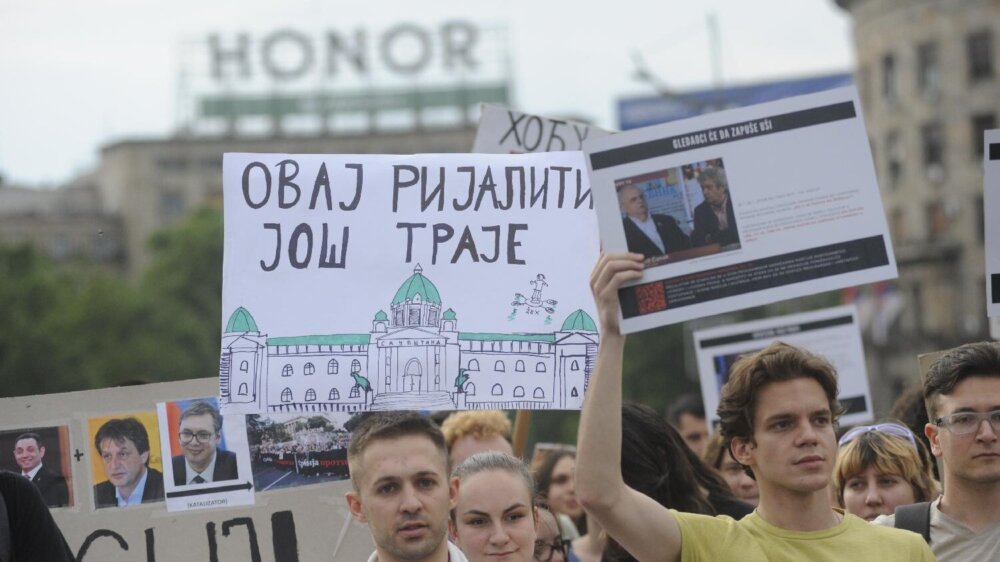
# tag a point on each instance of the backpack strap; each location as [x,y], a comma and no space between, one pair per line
[915,517]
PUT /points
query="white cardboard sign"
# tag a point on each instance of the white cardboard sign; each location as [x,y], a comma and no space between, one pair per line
[991,209]
[428,282]
[506,131]
[800,213]
[833,333]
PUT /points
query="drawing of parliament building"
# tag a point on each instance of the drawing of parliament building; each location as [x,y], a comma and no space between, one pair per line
[413,358]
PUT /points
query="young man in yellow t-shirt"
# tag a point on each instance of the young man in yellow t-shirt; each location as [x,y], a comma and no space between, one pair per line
[777,418]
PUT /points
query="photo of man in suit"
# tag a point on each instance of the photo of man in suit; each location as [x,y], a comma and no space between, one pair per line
[714,219]
[28,453]
[123,446]
[648,234]
[203,460]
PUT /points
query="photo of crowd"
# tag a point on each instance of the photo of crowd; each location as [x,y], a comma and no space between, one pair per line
[294,450]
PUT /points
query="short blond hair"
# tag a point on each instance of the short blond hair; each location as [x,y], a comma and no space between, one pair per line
[889,454]
[479,424]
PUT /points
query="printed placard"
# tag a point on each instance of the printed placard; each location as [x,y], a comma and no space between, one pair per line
[991,211]
[428,282]
[742,207]
[833,333]
[505,131]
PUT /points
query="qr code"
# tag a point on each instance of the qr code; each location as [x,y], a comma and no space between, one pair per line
[650,297]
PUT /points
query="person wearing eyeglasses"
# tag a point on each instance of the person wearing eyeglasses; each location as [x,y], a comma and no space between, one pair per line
[123,445]
[879,467]
[962,392]
[550,546]
[203,461]
[494,518]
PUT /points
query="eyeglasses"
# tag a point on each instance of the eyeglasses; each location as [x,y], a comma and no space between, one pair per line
[889,428]
[544,550]
[964,423]
[201,436]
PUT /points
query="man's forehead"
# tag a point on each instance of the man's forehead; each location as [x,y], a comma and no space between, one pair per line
[977,392]
[790,397]
[27,442]
[199,419]
[113,444]
[401,457]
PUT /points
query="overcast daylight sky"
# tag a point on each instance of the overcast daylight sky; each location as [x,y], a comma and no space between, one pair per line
[79,75]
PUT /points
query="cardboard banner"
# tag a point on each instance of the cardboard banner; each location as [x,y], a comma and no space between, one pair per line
[833,333]
[429,282]
[742,207]
[294,516]
[505,131]
[991,211]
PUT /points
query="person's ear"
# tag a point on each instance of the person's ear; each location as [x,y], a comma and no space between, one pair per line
[453,492]
[933,434]
[742,451]
[354,504]
[41,452]
[144,457]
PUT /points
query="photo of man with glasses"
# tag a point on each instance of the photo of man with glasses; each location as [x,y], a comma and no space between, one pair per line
[123,446]
[199,434]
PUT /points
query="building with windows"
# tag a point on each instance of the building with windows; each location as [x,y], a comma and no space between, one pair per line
[414,357]
[927,77]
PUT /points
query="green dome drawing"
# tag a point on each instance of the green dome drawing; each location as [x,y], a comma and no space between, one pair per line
[417,284]
[449,315]
[241,321]
[381,316]
[579,321]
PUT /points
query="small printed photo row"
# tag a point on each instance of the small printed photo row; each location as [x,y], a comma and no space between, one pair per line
[678,213]
[181,451]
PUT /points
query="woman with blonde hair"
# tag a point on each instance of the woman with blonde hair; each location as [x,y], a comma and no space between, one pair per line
[880,467]
[495,518]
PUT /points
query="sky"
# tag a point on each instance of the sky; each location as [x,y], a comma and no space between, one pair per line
[80,75]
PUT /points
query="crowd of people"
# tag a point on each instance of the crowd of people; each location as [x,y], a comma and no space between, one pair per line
[778,479]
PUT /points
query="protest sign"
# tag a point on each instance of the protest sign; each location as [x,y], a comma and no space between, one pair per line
[991,210]
[505,131]
[832,333]
[742,207]
[428,282]
[307,519]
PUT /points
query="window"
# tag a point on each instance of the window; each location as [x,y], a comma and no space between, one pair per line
[332,368]
[979,49]
[574,393]
[244,389]
[980,123]
[518,392]
[309,369]
[286,395]
[413,317]
[355,367]
[928,70]
[244,366]
[888,77]
[897,225]
[171,205]
[937,220]
[574,366]
[539,393]
[498,367]
[893,159]
[519,366]
[287,371]
[540,367]
[310,395]
[334,394]
[980,227]
[497,390]
[473,365]
[355,392]
[470,389]
[932,141]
